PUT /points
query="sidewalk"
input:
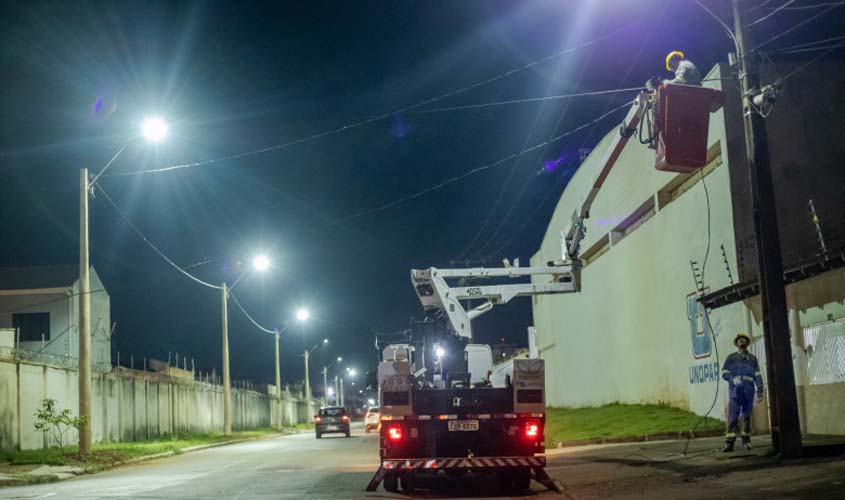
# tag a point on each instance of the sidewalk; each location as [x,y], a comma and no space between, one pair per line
[660,470]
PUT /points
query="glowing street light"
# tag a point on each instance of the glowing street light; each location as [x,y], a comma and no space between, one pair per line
[154,129]
[261,263]
[302,315]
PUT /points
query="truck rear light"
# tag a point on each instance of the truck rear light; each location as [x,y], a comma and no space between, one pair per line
[317,420]
[394,433]
[345,418]
[532,429]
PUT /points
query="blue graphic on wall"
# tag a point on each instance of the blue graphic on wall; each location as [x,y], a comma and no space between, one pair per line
[701,338]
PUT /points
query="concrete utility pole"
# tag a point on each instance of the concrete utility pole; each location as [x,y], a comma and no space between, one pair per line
[227,387]
[336,390]
[325,387]
[783,400]
[278,381]
[308,390]
[84,319]
[342,399]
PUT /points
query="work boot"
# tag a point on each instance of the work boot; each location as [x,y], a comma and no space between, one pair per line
[729,447]
[746,443]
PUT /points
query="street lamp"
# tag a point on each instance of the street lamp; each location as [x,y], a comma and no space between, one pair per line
[303,315]
[153,130]
[261,263]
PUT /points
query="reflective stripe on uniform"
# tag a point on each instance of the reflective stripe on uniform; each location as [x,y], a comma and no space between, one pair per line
[730,434]
[745,434]
[747,378]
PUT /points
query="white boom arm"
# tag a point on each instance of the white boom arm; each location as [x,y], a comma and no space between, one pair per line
[571,238]
[436,294]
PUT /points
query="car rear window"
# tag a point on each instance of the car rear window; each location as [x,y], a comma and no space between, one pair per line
[332,412]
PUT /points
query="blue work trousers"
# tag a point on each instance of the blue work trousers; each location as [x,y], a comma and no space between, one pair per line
[739,411]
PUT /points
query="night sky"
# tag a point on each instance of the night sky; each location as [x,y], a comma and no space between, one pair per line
[235,77]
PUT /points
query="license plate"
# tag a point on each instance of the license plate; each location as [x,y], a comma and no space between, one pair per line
[331,427]
[463,425]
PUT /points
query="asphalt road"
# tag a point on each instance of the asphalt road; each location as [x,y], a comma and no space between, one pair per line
[297,466]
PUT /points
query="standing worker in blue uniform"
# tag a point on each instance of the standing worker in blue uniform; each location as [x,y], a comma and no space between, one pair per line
[742,371]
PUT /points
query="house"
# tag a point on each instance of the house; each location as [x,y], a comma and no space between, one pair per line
[41,305]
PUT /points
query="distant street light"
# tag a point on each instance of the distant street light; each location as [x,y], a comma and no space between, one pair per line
[302,315]
[154,129]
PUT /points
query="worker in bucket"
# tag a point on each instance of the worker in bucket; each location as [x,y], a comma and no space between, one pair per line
[685,71]
[742,371]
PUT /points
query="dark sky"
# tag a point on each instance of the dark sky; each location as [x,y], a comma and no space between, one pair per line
[233,77]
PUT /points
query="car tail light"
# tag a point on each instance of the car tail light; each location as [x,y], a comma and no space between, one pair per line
[345,418]
[532,429]
[394,432]
[317,420]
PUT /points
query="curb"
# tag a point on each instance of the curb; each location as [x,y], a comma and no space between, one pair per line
[661,436]
[27,479]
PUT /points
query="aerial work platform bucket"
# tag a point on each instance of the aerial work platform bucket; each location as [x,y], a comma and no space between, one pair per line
[683,121]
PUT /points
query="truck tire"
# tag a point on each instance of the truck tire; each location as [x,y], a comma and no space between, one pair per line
[409,482]
[391,482]
[522,479]
[347,433]
[505,479]
[319,435]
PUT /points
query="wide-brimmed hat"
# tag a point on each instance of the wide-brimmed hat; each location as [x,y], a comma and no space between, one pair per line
[740,336]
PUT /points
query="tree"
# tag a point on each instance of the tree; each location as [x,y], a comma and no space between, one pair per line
[55,425]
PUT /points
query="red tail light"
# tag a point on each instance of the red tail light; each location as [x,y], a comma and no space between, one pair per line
[345,418]
[394,432]
[317,420]
[532,429]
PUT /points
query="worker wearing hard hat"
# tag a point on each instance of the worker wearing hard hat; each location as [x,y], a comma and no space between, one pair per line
[685,71]
[742,371]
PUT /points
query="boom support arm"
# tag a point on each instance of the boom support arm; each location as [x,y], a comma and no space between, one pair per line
[436,294]
[574,234]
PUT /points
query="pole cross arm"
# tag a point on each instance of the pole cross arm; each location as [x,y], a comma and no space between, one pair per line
[436,295]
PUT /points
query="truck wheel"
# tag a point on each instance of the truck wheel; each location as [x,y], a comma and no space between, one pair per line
[347,433]
[505,478]
[522,479]
[319,435]
[409,482]
[391,482]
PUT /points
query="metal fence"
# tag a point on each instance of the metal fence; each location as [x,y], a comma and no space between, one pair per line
[826,352]
[53,360]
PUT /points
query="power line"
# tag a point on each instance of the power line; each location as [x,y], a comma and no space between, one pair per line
[526,100]
[472,172]
[251,320]
[542,155]
[718,19]
[382,116]
[809,44]
[770,14]
[811,61]
[812,49]
[802,23]
[815,6]
[150,243]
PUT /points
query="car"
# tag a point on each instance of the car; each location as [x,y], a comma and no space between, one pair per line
[371,419]
[332,419]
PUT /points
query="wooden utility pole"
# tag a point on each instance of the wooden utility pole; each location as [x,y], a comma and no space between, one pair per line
[308,405]
[84,319]
[227,387]
[783,401]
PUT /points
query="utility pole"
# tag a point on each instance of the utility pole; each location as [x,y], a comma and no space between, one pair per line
[325,387]
[342,399]
[308,390]
[227,388]
[278,382]
[84,320]
[783,400]
[336,390]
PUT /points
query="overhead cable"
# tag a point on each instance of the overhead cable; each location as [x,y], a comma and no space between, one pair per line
[151,244]
[251,320]
[809,44]
[515,165]
[811,61]
[385,115]
[526,100]
[770,14]
[802,23]
[472,172]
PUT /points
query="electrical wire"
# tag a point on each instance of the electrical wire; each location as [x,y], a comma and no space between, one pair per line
[770,14]
[51,301]
[515,166]
[752,9]
[472,172]
[802,23]
[251,320]
[809,44]
[526,100]
[384,115]
[718,19]
[541,156]
[811,61]
[150,243]
[815,6]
